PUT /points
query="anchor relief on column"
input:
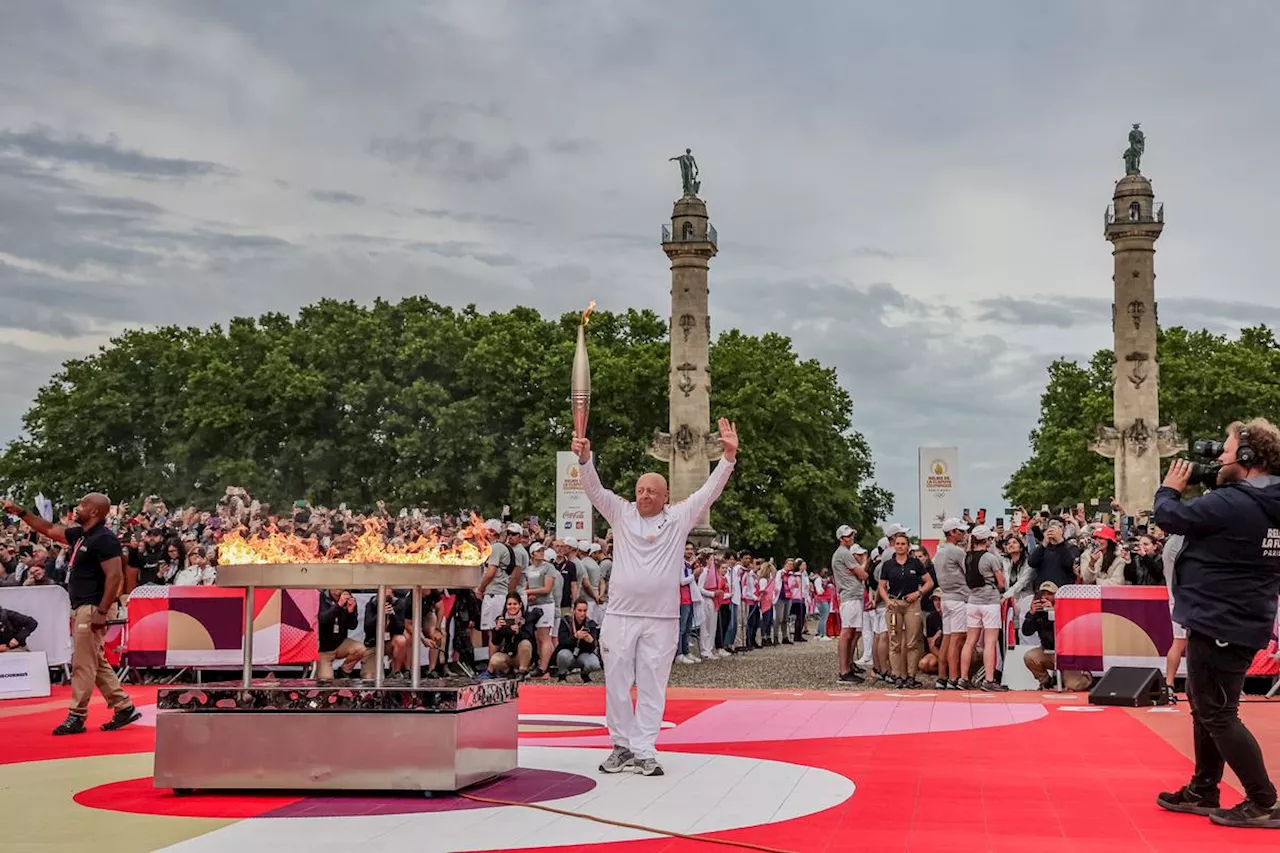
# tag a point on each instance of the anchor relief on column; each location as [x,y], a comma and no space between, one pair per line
[686,383]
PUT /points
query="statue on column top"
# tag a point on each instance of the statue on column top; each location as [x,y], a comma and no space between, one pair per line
[688,173]
[1133,154]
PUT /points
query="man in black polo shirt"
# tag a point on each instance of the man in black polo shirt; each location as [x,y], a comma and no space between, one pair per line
[96,580]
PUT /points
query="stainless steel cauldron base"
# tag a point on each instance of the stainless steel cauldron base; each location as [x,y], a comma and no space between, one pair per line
[411,750]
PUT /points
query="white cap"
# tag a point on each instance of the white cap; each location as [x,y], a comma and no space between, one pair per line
[953,524]
[883,543]
[514,528]
[980,532]
[858,550]
[844,530]
[549,554]
[494,525]
[536,547]
[894,529]
[571,544]
[594,548]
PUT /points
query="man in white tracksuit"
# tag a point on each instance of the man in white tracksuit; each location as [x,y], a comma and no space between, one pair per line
[639,640]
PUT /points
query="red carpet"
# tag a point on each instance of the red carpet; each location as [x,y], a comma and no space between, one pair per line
[1069,781]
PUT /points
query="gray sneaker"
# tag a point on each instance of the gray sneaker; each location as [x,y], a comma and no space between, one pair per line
[620,759]
[647,767]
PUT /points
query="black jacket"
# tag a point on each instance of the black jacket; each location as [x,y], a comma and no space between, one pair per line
[395,620]
[15,626]
[507,638]
[1041,625]
[1056,563]
[566,640]
[1226,578]
[1145,570]
[334,622]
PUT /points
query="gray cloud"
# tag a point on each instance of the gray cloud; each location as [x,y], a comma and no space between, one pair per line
[469,217]
[529,167]
[337,197]
[1060,313]
[42,143]
[452,157]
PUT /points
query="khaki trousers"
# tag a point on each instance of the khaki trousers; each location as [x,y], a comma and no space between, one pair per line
[906,630]
[1040,663]
[350,650]
[89,665]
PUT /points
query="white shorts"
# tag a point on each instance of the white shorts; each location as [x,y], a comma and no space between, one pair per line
[851,615]
[548,616]
[491,607]
[983,616]
[878,623]
[954,617]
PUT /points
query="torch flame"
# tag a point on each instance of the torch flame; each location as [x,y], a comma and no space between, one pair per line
[469,548]
[586,315]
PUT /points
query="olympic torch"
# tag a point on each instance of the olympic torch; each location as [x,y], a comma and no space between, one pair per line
[580,384]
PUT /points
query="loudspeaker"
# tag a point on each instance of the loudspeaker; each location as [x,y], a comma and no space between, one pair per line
[1130,687]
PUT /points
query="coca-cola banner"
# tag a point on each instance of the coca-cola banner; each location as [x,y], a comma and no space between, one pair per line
[573,510]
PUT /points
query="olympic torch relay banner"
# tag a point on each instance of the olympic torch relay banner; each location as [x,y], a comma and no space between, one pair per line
[573,510]
[174,626]
[939,499]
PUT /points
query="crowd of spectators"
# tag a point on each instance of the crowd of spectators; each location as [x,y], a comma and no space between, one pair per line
[543,597]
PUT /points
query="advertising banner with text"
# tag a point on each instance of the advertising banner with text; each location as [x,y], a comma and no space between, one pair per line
[939,498]
[573,510]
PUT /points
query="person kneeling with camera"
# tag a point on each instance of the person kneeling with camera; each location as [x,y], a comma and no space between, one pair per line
[513,638]
[1226,580]
[576,647]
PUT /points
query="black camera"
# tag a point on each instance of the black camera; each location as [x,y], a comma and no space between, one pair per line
[1205,473]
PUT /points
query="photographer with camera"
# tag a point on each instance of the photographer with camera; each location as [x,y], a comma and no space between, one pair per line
[1226,582]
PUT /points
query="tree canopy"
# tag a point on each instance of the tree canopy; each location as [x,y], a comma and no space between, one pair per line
[1206,382]
[419,404]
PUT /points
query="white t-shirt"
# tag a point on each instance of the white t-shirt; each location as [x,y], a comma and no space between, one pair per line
[648,553]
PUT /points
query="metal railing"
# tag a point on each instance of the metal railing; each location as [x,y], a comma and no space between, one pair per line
[691,236]
[1155,215]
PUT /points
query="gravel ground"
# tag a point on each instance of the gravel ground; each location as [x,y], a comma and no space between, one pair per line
[802,666]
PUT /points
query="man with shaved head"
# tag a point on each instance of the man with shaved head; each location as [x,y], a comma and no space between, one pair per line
[96,580]
[639,639]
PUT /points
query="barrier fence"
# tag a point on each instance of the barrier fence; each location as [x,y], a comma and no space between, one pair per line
[203,626]
[1098,627]
[50,606]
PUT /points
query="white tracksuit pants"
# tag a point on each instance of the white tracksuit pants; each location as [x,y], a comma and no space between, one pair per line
[707,631]
[637,650]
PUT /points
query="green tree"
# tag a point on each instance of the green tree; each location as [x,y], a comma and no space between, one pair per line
[1206,382]
[419,404]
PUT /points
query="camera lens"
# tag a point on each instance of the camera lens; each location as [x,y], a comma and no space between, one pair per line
[1204,473]
[1207,448]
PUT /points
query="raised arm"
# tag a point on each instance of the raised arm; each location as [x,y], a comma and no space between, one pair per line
[696,505]
[1198,516]
[606,502]
[57,532]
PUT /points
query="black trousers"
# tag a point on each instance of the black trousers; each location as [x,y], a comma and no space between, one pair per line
[1215,679]
[753,626]
[723,618]
[798,614]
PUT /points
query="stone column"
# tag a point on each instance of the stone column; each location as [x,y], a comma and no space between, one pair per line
[690,446]
[1136,441]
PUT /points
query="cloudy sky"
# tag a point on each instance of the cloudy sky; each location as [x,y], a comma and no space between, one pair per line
[913,192]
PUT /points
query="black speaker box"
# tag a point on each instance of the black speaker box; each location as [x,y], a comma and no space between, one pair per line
[1129,687]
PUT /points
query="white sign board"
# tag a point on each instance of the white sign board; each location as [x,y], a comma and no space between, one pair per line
[23,675]
[939,498]
[573,510]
